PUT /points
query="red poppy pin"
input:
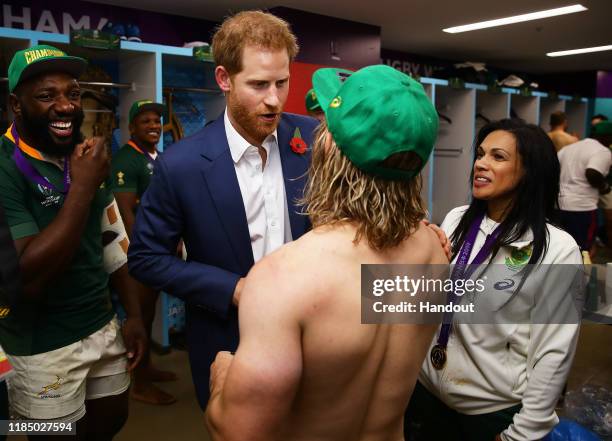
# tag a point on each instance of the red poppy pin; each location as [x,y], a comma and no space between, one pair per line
[298,145]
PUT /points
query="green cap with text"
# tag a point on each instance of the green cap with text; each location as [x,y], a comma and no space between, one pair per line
[143,105]
[40,59]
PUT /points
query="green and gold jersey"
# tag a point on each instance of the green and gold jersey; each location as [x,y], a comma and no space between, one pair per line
[131,171]
[77,303]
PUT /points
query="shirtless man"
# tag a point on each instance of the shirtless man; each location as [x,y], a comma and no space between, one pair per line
[306,368]
[558,131]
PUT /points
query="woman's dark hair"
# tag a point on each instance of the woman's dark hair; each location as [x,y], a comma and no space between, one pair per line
[536,196]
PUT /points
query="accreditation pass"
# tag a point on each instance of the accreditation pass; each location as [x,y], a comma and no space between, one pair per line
[29,427]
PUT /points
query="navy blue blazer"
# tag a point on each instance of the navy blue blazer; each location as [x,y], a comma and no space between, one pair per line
[194,195]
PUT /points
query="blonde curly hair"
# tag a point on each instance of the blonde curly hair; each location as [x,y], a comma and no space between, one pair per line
[385,212]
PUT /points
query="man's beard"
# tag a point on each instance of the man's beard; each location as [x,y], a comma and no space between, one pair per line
[249,122]
[38,129]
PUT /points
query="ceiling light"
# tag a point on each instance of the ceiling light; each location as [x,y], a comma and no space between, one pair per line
[516,19]
[585,50]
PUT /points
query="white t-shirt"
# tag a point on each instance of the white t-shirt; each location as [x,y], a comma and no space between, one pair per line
[576,193]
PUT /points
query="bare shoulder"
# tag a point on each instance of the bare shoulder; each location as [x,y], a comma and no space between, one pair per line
[290,257]
[288,271]
[266,291]
[429,243]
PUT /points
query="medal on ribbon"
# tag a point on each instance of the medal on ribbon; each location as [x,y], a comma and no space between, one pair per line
[461,270]
[438,356]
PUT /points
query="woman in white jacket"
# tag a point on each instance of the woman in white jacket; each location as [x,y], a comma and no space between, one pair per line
[486,382]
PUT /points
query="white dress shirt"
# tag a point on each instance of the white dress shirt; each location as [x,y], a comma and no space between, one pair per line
[262,190]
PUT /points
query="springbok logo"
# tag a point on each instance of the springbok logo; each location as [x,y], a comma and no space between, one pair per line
[53,386]
[519,258]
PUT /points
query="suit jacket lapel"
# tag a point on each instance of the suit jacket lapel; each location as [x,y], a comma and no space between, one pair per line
[295,168]
[220,176]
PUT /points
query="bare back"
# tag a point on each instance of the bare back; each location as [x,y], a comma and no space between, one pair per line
[561,138]
[356,379]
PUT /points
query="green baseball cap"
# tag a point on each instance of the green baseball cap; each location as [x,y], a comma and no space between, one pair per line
[144,105]
[328,83]
[602,128]
[311,101]
[39,59]
[375,113]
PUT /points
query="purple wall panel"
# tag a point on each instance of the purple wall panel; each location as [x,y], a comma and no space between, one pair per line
[323,40]
[604,84]
[154,27]
[332,41]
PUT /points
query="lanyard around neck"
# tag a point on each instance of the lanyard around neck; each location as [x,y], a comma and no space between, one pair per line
[462,270]
[27,169]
